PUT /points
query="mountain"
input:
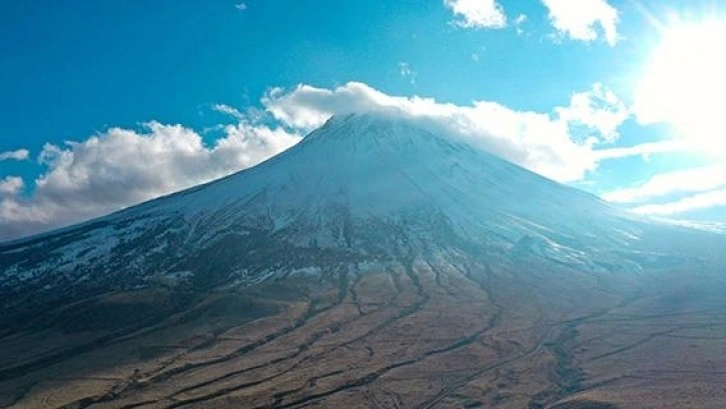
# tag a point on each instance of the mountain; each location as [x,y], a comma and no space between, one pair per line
[375,264]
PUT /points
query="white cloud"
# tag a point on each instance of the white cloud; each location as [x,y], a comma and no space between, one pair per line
[700,201]
[519,22]
[405,70]
[11,185]
[240,6]
[122,167]
[598,109]
[228,110]
[643,149]
[541,142]
[577,19]
[694,180]
[477,13]
[20,154]
[684,191]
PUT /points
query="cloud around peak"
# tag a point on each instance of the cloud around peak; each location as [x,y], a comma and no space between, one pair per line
[557,144]
[121,167]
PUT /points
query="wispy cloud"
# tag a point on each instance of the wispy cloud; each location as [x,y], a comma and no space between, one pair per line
[20,154]
[228,110]
[702,179]
[477,13]
[477,55]
[644,149]
[519,23]
[241,6]
[700,201]
[405,70]
[578,20]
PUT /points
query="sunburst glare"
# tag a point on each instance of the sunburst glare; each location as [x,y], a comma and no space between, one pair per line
[683,81]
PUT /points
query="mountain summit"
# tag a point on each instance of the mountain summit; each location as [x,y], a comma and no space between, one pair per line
[373,262]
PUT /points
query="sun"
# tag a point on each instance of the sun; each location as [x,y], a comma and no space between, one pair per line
[683,83]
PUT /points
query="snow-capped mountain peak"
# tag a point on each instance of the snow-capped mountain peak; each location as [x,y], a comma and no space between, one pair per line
[355,188]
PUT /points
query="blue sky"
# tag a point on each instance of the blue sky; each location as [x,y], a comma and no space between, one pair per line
[202,89]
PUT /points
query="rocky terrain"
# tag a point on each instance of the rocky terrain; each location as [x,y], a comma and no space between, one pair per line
[374,265]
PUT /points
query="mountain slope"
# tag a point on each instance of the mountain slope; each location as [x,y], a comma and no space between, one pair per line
[373,264]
